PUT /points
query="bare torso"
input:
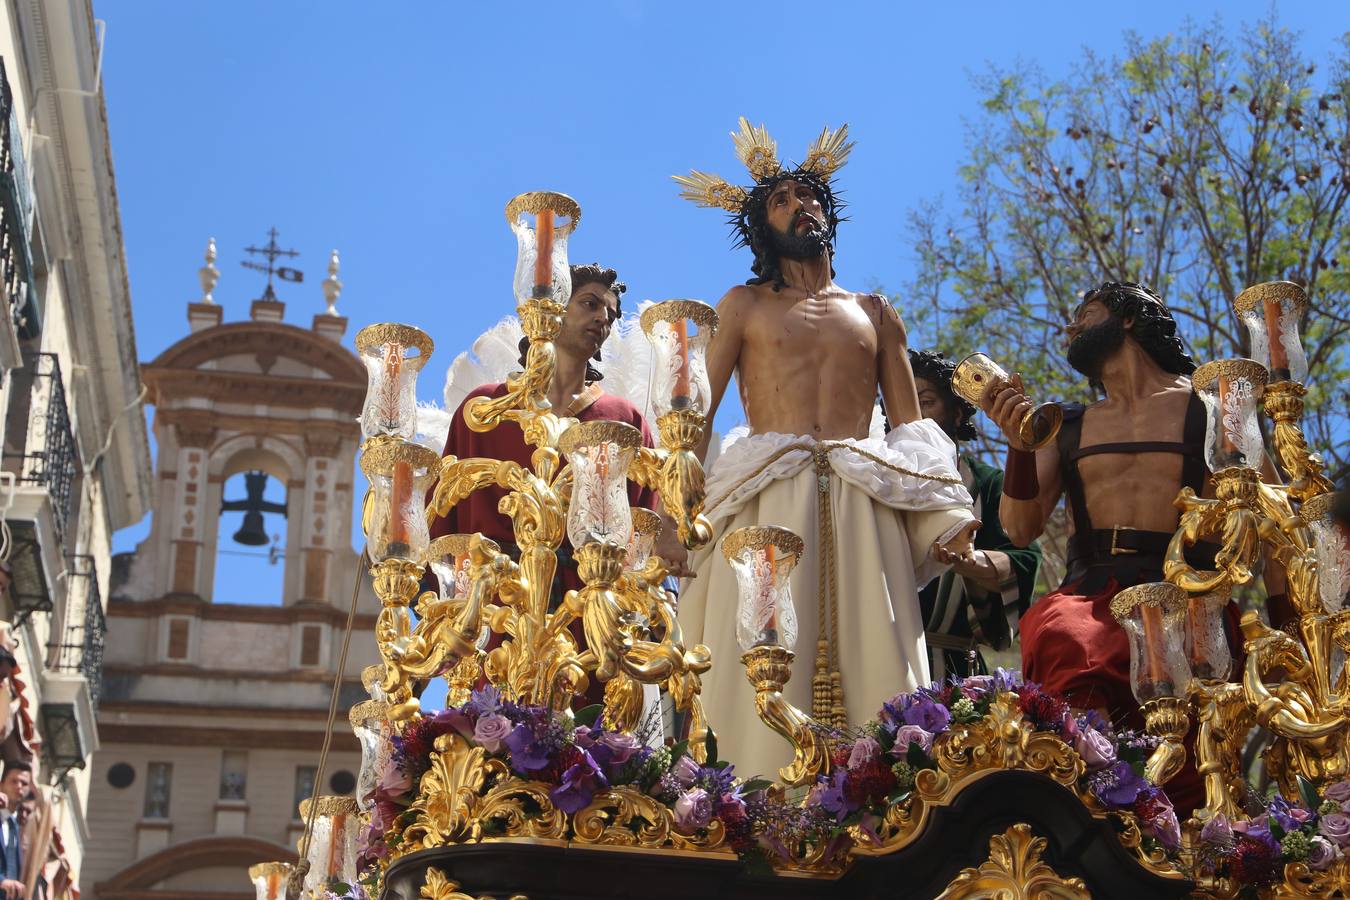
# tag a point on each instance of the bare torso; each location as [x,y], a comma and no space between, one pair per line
[808,364]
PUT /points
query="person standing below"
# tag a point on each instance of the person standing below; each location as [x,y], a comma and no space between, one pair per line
[15,785]
[809,358]
[980,599]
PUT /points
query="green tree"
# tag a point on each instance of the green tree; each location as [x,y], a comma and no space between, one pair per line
[1197,163]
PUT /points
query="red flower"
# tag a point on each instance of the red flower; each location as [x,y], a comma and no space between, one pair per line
[869,783]
[839,757]
[1044,710]
[568,757]
[1254,861]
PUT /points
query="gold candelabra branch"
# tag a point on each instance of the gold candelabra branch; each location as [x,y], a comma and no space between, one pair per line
[1283,402]
[769,668]
[1168,719]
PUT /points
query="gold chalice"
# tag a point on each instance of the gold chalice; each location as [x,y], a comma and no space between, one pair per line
[972,379]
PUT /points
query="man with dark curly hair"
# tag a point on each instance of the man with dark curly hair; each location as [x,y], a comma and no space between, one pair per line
[981,597]
[1120,461]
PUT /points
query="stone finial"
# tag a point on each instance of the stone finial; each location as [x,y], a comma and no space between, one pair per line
[208,273]
[332,287]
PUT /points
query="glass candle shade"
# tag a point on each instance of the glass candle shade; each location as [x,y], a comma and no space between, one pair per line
[1332,549]
[541,244]
[1207,652]
[393,355]
[333,842]
[1231,390]
[972,379]
[646,529]
[269,879]
[400,473]
[372,731]
[1271,312]
[679,332]
[448,557]
[370,680]
[599,453]
[763,557]
[1153,616]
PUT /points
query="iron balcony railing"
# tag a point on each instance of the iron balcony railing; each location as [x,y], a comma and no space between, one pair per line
[16,263]
[49,457]
[81,649]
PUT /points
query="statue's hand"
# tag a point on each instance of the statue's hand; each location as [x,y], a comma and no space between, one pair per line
[1005,403]
[958,548]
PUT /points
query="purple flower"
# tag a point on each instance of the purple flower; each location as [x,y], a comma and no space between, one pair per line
[928,714]
[685,771]
[1007,679]
[621,746]
[583,737]
[1097,750]
[491,730]
[693,810]
[979,684]
[579,785]
[1321,853]
[453,719]
[911,734]
[1340,791]
[864,751]
[1157,817]
[831,797]
[484,701]
[1217,831]
[527,753]
[1336,828]
[1118,785]
[1288,817]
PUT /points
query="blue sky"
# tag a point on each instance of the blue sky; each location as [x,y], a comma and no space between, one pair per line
[396,132]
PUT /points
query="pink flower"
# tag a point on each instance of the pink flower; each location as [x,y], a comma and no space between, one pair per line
[621,746]
[693,810]
[864,751]
[491,730]
[912,734]
[1096,749]
[1336,828]
[394,782]
[1321,854]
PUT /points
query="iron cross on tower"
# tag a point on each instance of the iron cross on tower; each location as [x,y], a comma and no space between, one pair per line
[272,251]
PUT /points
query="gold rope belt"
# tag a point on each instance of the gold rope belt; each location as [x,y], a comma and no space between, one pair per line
[827,686]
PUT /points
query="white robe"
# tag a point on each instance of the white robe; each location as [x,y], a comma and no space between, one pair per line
[884,522]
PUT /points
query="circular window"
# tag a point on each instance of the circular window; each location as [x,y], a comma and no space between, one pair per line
[121,775]
[342,782]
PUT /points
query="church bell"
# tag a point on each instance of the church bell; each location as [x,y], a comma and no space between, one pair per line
[252,532]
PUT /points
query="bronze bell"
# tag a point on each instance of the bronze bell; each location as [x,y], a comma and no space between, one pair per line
[252,533]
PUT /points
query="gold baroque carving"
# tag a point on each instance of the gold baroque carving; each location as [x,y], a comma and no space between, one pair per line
[1277,291]
[1015,871]
[696,311]
[1205,377]
[439,887]
[535,202]
[758,537]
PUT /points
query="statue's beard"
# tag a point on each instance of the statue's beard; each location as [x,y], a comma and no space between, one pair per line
[1089,351]
[809,245]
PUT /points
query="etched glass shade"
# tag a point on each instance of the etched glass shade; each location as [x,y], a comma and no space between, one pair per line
[1207,652]
[763,557]
[269,880]
[400,475]
[448,558]
[679,332]
[1271,313]
[542,221]
[393,355]
[333,843]
[1153,616]
[1331,549]
[599,453]
[373,734]
[646,528]
[1231,390]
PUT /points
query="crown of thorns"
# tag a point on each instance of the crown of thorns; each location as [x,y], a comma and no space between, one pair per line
[825,156]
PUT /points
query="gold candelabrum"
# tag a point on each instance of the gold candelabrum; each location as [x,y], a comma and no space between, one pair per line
[620,628]
[1293,681]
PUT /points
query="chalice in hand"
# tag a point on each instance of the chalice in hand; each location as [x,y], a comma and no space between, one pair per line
[977,374]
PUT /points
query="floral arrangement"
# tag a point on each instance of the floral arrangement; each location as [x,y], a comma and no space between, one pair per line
[1253,851]
[873,768]
[877,768]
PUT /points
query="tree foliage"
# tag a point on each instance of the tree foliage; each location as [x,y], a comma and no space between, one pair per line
[1198,163]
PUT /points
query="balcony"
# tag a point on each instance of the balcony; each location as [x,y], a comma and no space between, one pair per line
[48,458]
[16,219]
[81,649]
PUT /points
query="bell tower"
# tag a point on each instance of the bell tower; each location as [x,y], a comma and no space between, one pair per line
[265,398]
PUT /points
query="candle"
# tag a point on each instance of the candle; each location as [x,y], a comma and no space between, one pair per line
[543,248]
[1155,665]
[1230,451]
[273,882]
[334,845]
[400,499]
[1197,623]
[1279,359]
[771,626]
[682,391]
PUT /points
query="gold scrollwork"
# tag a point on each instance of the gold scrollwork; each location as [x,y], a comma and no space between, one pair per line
[1015,871]
[534,202]
[1274,291]
[373,336]
[1206,377]
[438,886]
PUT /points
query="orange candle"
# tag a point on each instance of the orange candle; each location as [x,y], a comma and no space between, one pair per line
[334,843]
[1198,625]
[1279,359]
[682,390]
[543,247]
[400,499]
[273,882]
[1155,665]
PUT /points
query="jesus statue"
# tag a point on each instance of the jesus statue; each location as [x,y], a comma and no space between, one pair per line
[876,511]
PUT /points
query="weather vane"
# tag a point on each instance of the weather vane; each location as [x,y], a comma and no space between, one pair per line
[272,251]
